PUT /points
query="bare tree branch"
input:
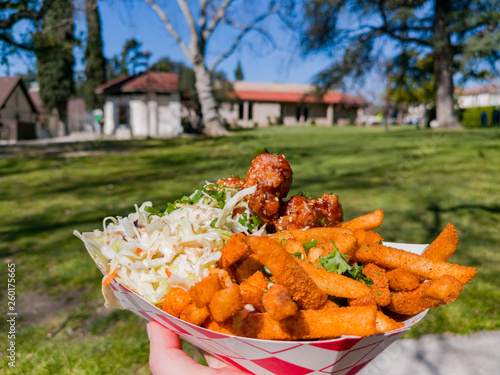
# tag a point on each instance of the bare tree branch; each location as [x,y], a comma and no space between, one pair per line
[169,27]
[219,15]
[191,24]
[238,39]
[203,15]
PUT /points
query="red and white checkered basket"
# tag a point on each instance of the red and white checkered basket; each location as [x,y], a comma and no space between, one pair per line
[344,356]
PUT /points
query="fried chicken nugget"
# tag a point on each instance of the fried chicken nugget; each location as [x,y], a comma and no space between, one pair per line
[225,327]
[386,324]
[225,303]
[334,284]
[402,281]
[235,249]
[194,314]
[252,290]
[312,324]
[433,293]
[278,303]
[443,247]
[287,272]
[418,265]
[175,301]
[203,291]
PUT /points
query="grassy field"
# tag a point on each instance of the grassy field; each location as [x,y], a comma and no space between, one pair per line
[421,179]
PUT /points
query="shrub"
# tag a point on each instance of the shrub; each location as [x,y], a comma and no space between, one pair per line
[472,116]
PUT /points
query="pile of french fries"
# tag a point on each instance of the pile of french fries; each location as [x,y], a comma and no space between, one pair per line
[278,287]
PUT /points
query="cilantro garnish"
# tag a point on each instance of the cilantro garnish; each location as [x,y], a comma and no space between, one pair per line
[304,194]
[266,272]
[321,221]
[309,245]
[379,242]
[251,222]
[297,254]
[260,150]
[337,262]
[213,190]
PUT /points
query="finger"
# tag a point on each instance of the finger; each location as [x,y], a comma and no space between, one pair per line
[222,367]
[165,353]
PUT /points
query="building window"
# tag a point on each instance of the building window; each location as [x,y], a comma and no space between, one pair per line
[240,111]
[123,115]
[250,110]
[297,114]
[306,113]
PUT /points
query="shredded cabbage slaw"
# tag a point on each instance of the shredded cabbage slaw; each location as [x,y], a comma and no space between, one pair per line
[150,252]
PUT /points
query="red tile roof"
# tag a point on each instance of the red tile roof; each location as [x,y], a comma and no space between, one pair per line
[296,97]
[488,89]
[150,81]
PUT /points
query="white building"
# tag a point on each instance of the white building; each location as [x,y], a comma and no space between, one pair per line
[147,104]
[484,96]
[267,104]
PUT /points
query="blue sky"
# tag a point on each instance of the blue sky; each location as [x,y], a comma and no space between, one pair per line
[261,61]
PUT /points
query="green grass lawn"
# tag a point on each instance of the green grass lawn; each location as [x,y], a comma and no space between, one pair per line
[421,179]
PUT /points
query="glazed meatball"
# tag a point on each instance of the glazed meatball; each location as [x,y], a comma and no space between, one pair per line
[231,182]
[273,176]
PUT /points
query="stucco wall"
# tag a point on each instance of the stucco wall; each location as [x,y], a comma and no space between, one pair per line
[18,108]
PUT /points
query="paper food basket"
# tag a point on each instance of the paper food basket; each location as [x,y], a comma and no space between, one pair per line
[343,356]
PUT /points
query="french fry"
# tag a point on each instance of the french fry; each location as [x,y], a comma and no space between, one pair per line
[203,291]
[312,324]
[334,284]
[194,314]
[402,281]
[225,303]
[235,249]
[386,324]
[315,253]
[287,272]
[443,247]
[379,287]
[367,222]
[369,237]
[433,293]
[278,303]
[391,258]
[175,301]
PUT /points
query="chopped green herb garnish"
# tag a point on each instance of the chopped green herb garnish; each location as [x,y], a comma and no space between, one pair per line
[266,272]
[309,245]
[337,262]
[304,194]
[378,292]
[212,223]
[297,254]
[321,221]
[379,242]
[251,223]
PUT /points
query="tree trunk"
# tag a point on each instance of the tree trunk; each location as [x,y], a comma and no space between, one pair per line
[210,115]
[443,67]
[62,111]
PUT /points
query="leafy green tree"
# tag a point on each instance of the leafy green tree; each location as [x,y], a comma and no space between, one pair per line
[95,70]
[54,52]
[460,35]
[238,73]
[131,60]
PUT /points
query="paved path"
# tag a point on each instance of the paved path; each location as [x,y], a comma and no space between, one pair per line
[477,354]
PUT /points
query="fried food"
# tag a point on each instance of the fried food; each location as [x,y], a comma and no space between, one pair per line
[433,293]
[443,247]
[273,176]
[175,301]
[379,287]
[367,222]
[386,324]
[203,291]
[334,284]
[247,268]
[194,314]
[391,258]
[232,182]
[300,212]
[225,303]
[235,249]
[312,324]
[287,272]
[402,281]
[278,303]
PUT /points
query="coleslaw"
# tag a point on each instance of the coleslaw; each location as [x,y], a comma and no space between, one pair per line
[151,251]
